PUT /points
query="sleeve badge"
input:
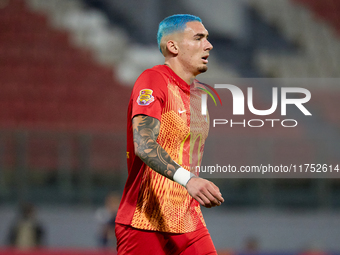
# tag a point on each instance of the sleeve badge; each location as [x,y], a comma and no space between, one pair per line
[145,97]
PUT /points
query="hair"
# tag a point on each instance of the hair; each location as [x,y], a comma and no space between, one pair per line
[172,24]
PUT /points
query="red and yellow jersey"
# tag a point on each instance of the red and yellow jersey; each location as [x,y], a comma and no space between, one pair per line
[151,201]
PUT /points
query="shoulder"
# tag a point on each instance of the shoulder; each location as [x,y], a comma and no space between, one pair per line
[156,72]
[154,78]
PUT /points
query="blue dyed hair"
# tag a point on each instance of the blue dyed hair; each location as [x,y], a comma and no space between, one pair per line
[172,24]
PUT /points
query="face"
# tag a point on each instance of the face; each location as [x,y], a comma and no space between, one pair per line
[194,48]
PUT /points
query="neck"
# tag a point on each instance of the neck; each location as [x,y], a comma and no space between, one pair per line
[180,71]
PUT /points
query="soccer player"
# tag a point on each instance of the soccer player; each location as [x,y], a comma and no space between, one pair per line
[160,209]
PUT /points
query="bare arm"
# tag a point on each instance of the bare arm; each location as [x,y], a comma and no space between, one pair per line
[145,133]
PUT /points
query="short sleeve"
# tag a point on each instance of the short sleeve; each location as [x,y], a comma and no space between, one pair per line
[149,94]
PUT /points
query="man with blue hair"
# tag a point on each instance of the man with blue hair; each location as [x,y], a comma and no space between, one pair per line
[173,24]
[160,209]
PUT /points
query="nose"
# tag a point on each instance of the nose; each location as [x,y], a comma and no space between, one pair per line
[209,46]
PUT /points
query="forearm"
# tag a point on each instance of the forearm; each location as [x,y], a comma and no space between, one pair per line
[158,159]
[145,133]
[146,130]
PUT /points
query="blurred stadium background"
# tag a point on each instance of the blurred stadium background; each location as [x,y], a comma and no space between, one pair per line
[66,72]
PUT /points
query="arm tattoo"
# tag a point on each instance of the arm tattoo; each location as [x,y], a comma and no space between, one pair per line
[145,133]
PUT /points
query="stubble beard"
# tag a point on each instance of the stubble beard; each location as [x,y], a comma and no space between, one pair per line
[202,69]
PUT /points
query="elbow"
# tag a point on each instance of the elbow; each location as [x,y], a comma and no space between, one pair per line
[137,152]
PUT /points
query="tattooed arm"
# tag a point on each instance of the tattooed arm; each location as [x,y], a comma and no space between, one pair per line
[145,133]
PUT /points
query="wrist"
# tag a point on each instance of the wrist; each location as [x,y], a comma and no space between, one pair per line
[182,176]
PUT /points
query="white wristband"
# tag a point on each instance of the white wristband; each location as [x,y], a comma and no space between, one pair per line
[182,176]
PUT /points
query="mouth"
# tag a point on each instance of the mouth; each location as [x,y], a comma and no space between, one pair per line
[205,59]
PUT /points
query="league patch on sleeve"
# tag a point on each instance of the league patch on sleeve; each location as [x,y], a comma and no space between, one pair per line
[145,97]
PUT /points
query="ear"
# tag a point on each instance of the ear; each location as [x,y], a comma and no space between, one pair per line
[172,47]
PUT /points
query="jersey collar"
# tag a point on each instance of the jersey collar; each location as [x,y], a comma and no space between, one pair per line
[178,80]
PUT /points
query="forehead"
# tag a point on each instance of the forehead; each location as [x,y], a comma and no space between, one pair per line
[195,27]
